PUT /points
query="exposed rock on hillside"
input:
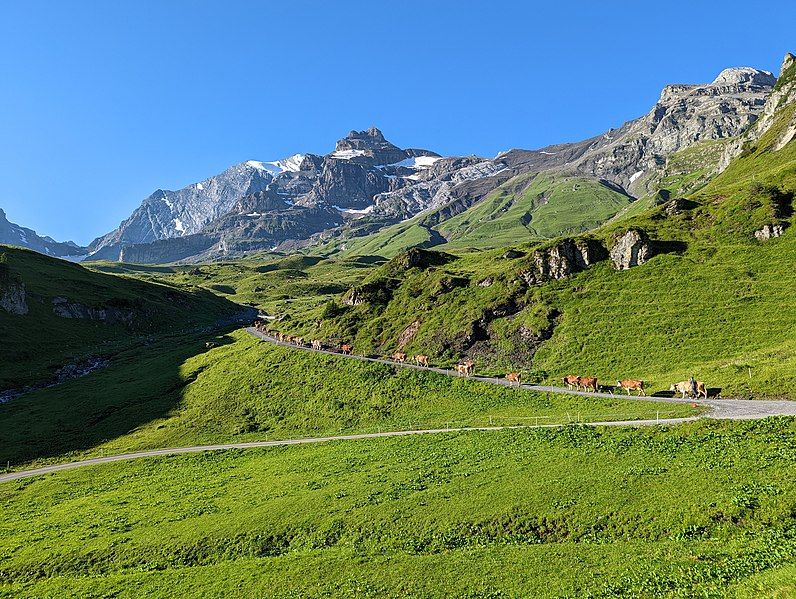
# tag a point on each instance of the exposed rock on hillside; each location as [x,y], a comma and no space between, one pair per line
[769,231]
[784,92]
[417,258]
[67,309]
[406,336]
[563,259]
[12,296]
[631,249]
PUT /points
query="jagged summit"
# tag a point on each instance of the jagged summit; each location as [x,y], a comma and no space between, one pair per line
[370,139]
[745,75]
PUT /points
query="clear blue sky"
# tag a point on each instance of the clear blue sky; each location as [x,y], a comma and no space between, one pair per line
[103,102]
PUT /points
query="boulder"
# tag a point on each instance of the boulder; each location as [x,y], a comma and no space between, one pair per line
[769,231]
[563,259]
[12,297]
[631,249]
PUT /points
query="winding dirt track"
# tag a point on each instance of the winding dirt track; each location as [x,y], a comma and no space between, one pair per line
[732,409]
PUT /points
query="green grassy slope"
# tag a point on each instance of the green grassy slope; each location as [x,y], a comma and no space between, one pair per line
[531,207]
[246,390]
[36,344]
[715,302]
[275,284]
[702,510]
[525,208]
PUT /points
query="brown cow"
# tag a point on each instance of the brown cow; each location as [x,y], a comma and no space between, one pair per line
[514,377]
[587,382]
[421,360]
[631,384]
[399,357]
[346,349]
[571,381]
[465,368]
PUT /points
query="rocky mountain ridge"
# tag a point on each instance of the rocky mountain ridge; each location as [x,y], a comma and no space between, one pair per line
[13,234]
[367,183]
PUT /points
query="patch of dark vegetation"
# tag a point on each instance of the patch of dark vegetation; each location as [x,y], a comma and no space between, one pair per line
[416,258]
[375,293]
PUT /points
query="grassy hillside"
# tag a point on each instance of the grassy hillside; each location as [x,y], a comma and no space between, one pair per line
[247,390]
[714,302]
[701,510]
[36,344]
[531,207]
[526,208]
[278,285]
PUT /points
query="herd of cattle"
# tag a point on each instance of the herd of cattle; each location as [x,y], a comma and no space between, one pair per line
[690,388]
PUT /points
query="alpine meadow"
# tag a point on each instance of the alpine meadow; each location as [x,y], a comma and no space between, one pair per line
[387,371]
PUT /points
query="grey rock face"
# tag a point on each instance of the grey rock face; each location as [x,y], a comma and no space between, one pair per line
[631,249]
[683,115]
[12,297]
[768,232]
[13,234]
[170,214]
[66,309]
[562,260]
[785,93]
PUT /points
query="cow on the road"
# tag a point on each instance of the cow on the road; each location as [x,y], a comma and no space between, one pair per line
[421,360]
[631,385]
[571,381]
[399,357]
[687,388]
[465,368]
[514,377]
[588,383]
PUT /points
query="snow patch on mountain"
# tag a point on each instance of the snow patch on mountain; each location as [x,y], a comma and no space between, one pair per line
[418,161]
[347,154]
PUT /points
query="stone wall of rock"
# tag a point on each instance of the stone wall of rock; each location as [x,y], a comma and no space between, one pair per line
[631,249]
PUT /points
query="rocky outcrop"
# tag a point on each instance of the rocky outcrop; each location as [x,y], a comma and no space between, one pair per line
[631,249]
[111,315]
[769,232]
[406,336]
[353,297]
[378,292]
[12,297]
[417,258]
[784,92]
[563,259]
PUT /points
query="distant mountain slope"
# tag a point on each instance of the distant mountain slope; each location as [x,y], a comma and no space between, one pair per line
[368,183]
[12,234]
[530,207]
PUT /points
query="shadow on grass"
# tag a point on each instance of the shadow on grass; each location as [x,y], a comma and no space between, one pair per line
[141,385]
